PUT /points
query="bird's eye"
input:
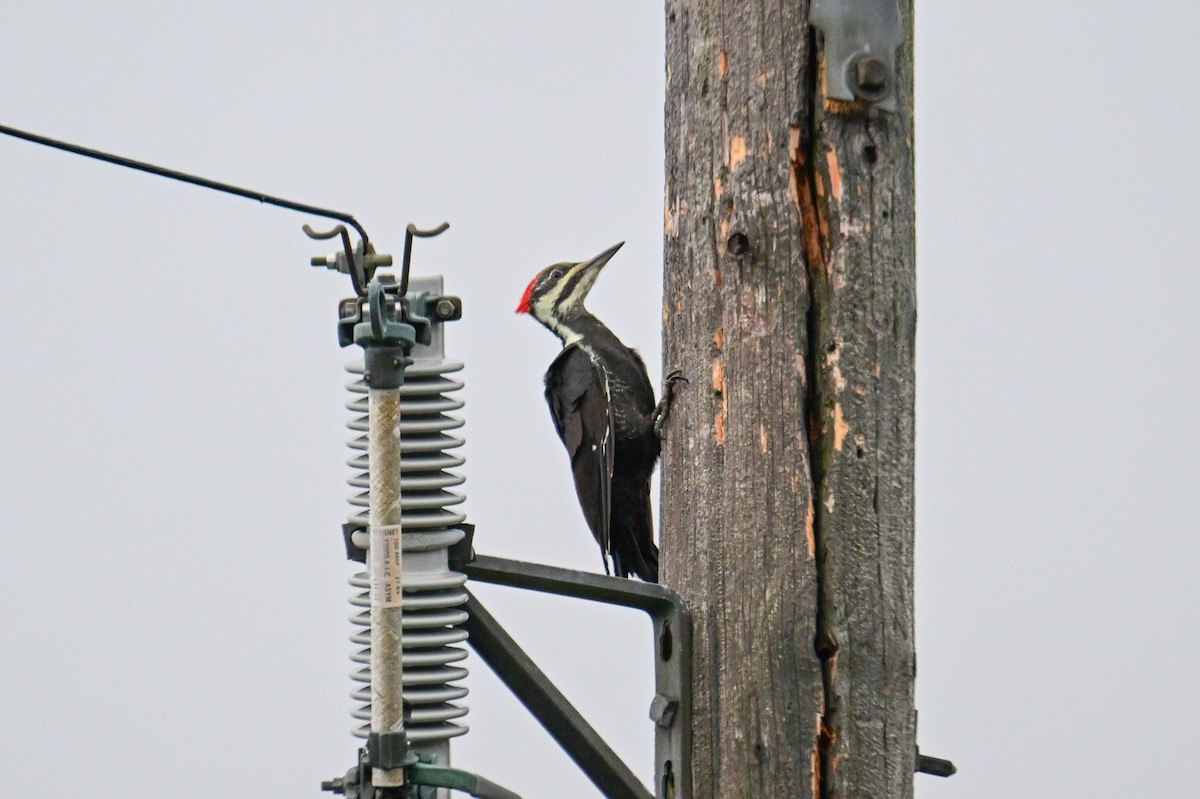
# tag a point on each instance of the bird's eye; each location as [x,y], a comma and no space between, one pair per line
[556,274]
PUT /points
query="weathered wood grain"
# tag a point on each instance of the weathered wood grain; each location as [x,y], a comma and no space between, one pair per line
[787,513]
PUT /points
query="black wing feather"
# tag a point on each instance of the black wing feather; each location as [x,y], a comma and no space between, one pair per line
[578,396]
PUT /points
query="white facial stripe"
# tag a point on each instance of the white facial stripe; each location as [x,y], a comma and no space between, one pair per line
[582,285]
[543,305]
[548,300]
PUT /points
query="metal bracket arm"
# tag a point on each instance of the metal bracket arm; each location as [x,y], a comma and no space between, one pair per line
[671,708]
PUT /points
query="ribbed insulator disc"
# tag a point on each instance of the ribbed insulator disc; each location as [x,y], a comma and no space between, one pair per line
[433,594]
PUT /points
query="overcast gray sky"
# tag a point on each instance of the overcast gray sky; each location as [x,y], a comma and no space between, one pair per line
[172,588]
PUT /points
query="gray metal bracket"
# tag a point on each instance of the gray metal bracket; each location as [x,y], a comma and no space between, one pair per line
[936,766]
[861,39]
[671,709]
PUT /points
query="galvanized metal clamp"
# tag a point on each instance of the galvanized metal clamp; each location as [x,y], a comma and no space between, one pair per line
[861,39]
[357,782]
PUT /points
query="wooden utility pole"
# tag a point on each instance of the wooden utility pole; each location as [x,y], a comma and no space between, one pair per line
[790,304]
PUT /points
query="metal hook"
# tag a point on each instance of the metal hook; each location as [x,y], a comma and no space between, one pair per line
[358,275]
[313,234]
[409,232]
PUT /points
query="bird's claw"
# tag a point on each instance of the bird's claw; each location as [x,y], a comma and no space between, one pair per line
[663,409]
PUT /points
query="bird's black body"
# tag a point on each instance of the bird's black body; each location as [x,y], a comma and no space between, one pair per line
[602,405]
[600,396]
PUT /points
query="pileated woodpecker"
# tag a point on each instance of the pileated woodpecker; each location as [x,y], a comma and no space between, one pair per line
[603,408]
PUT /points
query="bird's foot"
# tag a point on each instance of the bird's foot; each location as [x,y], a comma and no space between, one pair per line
[663,409]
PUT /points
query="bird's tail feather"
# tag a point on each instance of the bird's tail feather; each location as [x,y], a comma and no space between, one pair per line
[632,540]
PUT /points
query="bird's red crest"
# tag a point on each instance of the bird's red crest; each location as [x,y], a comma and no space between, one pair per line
[524,306]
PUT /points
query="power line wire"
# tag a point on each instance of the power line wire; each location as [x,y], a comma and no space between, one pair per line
[186,178]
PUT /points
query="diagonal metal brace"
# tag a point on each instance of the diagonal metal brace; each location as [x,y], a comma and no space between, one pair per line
[672,706]
[556,714]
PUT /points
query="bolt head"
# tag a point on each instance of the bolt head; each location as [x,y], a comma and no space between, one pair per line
[662,711]
[869,78]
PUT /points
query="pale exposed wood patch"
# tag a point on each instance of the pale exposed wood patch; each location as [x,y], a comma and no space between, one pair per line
[737,151]
[665,314]
[840,427]
[719,426]
[816,751]
[718,188]
[718,376]
[722,63]
[719,338]
[762,438]
[762,78]
[835,173]
[848,107]
[810,537]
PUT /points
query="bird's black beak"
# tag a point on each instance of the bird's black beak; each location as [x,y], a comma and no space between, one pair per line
[600,260]
[579,279]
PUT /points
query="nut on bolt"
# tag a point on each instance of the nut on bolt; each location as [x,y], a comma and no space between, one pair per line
[869,78]
[662,711]
[448,308]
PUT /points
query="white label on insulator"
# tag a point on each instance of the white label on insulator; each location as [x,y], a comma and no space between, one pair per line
[387,578]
